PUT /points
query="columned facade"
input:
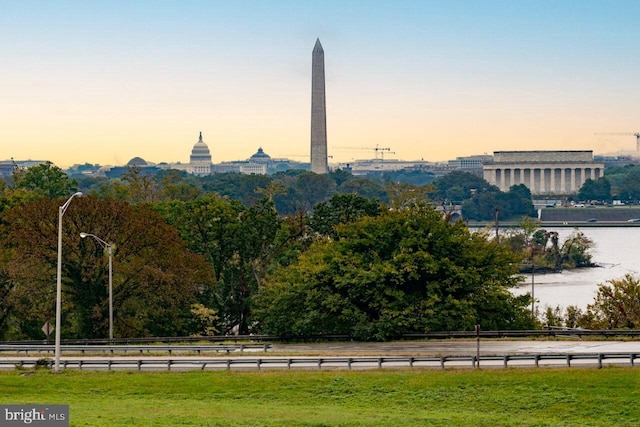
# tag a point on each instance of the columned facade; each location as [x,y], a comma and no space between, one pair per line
[543,172]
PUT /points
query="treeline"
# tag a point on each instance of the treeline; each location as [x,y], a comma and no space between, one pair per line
[620,183]
[191,260]
[542,250]
[296,190]
[616,306]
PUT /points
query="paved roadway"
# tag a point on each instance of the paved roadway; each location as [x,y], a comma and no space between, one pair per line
[462,347]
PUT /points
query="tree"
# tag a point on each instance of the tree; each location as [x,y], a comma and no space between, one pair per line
[575,251]
[407,196]
[341,209]
[595,190]
[141,188]
[457,186]
[616,305]
[239,243]
[630,187]
[515,203]
[409,176]
[363,187]
[303,190]
[155,278]
[403,271]
[340,176]
[313,188]
[241,187]
[177,185]
[45,180]
[542,248]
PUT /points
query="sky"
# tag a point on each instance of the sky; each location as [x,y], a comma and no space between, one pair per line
[105,81]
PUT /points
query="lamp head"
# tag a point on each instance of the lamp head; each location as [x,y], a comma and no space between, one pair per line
[83,235]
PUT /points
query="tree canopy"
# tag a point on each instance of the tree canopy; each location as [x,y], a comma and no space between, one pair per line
[515,203]
[599,189]
[403,271]
[156,279]
[291,253]
[44,180]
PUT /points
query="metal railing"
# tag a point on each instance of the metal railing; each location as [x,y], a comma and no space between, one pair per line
[551,332]
[112,349]
[311,363]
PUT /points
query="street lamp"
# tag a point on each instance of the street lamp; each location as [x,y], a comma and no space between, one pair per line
[108,247]
[61,210]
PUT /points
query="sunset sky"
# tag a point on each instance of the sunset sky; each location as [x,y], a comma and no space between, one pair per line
[104,81]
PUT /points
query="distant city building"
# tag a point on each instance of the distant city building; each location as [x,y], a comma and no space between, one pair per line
[617,161]
[200,160]
[86,169]
[365,167]
[7,166]
[259,163]
[470,163]
[543,172]
[146,168]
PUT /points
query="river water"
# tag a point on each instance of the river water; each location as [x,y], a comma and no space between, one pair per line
[615,249]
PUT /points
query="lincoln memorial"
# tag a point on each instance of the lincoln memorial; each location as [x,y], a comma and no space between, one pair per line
[543,172]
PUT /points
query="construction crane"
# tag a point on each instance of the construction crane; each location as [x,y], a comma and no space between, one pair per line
[379,151]
[301,155]
[636,134]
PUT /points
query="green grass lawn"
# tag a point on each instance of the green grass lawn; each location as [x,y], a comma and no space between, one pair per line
[485,397]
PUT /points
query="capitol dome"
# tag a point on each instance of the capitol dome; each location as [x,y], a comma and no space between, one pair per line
[200,160]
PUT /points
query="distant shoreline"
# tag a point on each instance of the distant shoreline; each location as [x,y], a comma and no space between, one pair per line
[558,224]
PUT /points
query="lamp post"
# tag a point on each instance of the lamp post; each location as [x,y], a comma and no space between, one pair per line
[61,210]
[532,253]
[108,247]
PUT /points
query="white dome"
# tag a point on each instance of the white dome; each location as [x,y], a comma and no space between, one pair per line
[200,152]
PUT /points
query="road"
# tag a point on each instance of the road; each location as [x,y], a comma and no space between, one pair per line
[462,347]
[427,354]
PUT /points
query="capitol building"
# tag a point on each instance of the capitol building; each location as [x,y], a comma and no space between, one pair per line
[200,160]
[260,163]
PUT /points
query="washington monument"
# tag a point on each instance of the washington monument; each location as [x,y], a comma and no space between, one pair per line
[318,112]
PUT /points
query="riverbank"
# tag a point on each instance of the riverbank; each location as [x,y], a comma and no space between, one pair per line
[593,216]
[615,251]
[554,224]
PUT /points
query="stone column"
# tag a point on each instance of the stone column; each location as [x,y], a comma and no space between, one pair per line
[579,178]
